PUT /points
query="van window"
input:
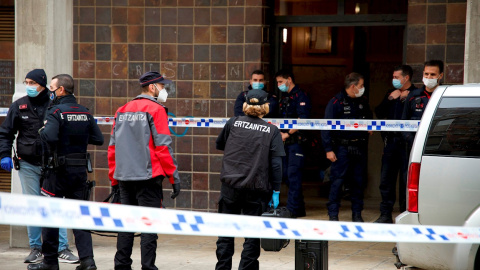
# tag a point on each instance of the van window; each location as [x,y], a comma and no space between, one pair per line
[455,129]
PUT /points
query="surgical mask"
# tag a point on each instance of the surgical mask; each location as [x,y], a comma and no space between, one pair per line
[162,94]
[257,85]
[360,92]
[430,83]
[283,87]
[32,91]
[397,83]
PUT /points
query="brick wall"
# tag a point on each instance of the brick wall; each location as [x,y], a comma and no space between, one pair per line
[208,47]
[436,30]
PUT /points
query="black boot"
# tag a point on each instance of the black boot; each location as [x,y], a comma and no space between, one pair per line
[384,218]
[43,266]
[87,264]
[357,217]
[333,218]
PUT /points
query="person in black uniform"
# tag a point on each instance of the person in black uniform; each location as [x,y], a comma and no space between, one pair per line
[394,158]
[251,174]
[417,100]
[294,103]
[347,149]
[26,116]
[257,82]
[69,128]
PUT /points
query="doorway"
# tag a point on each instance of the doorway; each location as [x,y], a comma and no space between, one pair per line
[321,42]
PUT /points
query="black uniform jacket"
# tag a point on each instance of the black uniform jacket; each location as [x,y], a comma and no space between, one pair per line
[341,106]
[26,116]
[70,127]
[249,143]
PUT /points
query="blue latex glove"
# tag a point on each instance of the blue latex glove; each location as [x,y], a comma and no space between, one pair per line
[6,164]
[275,199]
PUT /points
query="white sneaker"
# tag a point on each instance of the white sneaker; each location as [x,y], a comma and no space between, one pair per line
[66,256]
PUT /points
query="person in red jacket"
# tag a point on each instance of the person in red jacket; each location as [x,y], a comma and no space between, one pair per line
[139,158]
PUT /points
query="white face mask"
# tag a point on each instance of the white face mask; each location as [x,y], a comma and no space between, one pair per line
[430,83]
[360,92]
[162,94]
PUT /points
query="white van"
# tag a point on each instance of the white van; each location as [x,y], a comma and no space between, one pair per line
[443,186]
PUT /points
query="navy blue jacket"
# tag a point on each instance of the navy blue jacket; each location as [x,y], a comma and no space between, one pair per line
[392,109]
[341,106]
[295,104]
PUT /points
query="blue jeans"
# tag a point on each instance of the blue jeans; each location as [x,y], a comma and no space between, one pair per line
[30,179]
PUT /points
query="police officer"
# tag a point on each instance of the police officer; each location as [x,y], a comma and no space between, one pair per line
[294,103]
[69,128]
[257,82]
[26,116]
[347,149]
[417,100]
[394,157]
[251,173]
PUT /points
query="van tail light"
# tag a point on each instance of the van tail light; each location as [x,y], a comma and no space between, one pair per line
[412,186]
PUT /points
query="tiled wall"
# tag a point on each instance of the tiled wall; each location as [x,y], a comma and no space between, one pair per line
[208,47]
[436,30]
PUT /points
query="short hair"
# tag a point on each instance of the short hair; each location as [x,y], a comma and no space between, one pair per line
[406,70]
[256,110]
[258,72]
[284,73]
[145,88]
[66,81]
[434,63]
[352,78]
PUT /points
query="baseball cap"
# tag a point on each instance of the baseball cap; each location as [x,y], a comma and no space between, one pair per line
[152,77]
[256,97]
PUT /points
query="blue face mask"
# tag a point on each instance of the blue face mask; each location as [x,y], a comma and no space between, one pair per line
[32,91]
[257,85]
[283,87]
[397,83]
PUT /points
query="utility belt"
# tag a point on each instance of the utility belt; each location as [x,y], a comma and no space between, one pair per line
[294,138]
[71,160]
[350,142]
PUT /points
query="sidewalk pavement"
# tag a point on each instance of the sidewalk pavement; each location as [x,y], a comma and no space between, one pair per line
[197,252]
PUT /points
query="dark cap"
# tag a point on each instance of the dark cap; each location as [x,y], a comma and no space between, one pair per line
[39,76]
[257,97]
[152,77]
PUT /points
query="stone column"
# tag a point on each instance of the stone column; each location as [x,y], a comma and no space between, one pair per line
[43,39]
[472,43]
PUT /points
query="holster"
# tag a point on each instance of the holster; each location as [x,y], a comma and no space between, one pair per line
[296,137]
[74,160]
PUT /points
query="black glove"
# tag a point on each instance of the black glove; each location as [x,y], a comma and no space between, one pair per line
[176,191]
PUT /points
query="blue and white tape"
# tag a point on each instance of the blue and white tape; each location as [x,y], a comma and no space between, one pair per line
[27,210]
[302,124]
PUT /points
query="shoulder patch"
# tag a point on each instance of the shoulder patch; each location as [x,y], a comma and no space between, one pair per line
[22,106]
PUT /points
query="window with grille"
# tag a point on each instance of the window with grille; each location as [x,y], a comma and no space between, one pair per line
[7,23]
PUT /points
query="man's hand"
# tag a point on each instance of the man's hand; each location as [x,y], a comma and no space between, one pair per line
[176,191]
[395,94]
[285,135]
[331,156]
[6,164]
[404,95]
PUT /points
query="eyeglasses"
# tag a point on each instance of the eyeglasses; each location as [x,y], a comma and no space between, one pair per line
[54,89]
[30,83]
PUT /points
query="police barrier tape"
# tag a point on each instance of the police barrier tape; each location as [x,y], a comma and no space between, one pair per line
[29,210]
[303,124]
[283,123]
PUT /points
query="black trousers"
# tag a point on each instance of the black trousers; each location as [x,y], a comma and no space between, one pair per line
[147,193]
[394,165]
[68,182]
[247,202]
